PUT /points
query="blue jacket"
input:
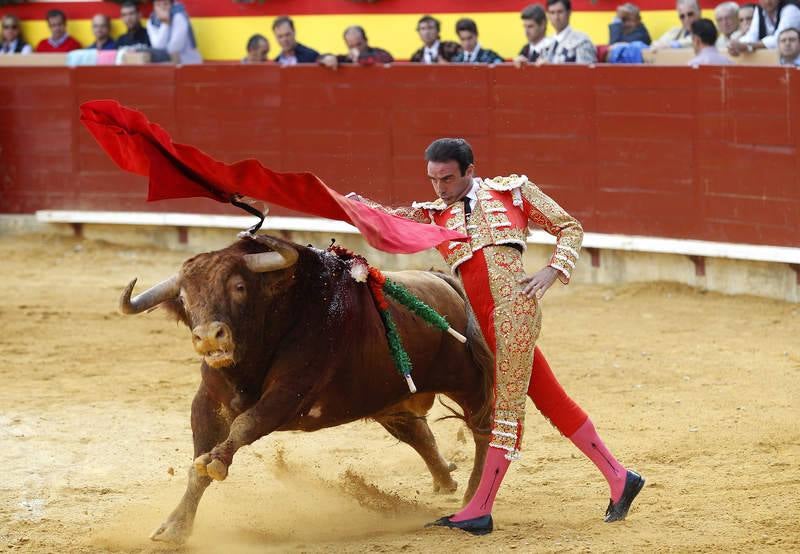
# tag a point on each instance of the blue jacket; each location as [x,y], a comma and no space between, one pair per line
[304,54]
[638,34]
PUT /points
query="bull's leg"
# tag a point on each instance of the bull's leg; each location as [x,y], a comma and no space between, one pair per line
[277,405]
[478,420]
[208,428]
[414,431]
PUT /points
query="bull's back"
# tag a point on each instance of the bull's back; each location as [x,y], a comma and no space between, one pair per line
[367,383]
[437,290]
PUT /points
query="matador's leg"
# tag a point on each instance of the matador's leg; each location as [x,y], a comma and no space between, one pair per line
[565,414]
[510,322]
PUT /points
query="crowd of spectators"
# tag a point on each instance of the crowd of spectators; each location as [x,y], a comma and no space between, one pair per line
[736,29]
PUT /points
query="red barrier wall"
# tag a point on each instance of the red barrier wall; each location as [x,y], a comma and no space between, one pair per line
[709,153]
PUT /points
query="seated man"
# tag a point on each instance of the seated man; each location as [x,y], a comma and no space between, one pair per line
[257,49]
[704,36]
[680,36]
[569,46]
[727,18]
[101,29]
[359,50]
[789,47]
[433,49]
[627,26]
[135,34]
[13,43]
[534,21]
[292,52]
[770,18]
[746,12]
[59,40]
[471,50]
[171,31]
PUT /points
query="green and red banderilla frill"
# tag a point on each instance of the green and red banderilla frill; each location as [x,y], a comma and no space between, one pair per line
[381,286]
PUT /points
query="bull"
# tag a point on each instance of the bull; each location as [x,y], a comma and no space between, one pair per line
[290,341]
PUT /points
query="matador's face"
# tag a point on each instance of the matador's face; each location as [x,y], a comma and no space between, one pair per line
[447,181]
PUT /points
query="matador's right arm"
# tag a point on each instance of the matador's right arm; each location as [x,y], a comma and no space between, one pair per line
[413,212]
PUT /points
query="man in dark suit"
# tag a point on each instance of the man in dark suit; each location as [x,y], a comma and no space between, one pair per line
[292,52]
[534,21]
[472,51]
[136,33]
[358,51]
[433,49]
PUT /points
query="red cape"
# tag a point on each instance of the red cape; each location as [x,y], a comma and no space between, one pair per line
[182,171]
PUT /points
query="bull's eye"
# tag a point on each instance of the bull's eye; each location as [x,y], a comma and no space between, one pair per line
[240,287]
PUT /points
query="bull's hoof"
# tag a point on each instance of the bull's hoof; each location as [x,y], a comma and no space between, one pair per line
[208,467]
[200,464]
[172,531]
[217,470]
[445,487]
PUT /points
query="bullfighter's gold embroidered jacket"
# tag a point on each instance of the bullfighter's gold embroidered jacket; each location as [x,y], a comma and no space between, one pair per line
[504,209]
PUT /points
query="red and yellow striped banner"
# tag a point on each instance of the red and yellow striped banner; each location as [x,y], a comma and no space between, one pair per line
[223,26]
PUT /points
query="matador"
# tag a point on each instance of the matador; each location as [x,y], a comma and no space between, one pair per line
[495,214]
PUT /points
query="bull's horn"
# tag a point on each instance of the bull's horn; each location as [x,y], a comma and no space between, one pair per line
[282,257]
[153,296]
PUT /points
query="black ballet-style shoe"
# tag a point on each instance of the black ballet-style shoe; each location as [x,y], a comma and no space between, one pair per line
[477,526]
[617,511]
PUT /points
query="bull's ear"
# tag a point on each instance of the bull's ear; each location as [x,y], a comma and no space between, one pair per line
[175,310]
[282,256]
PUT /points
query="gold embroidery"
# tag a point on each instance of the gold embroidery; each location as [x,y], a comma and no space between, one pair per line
[517,321]
[413,213]
[544,212]
[511,182]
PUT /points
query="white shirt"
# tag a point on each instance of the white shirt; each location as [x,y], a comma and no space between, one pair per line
[540,46]
[430,54]
[13,45]
[470,57]
[472,194]
[789,16]
[563,34]
[174,38]
[709,56]
[795,62]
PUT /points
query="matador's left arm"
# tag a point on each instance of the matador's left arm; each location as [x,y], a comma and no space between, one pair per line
[547,214]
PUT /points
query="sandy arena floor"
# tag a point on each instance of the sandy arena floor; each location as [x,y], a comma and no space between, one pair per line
[697,391]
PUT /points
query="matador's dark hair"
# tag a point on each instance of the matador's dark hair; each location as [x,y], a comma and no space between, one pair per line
[451,149]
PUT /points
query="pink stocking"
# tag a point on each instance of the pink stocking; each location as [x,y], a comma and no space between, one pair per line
[494,469]
[588,442]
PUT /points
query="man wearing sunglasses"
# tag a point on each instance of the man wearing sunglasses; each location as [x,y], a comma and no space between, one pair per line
[13,42]
[680,36]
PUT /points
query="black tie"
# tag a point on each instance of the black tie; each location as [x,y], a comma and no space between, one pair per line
[467,206]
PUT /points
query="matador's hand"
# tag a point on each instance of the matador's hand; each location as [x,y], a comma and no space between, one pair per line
[538,283]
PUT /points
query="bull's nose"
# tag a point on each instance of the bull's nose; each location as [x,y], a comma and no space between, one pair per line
[211,336]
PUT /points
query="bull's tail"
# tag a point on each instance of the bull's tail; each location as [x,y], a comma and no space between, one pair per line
[480,420]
